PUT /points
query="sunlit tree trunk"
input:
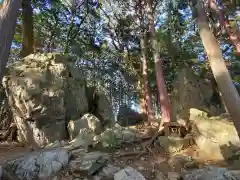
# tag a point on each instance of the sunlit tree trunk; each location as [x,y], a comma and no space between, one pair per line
[146,90]
[234,35]
[163,95]
[27,16]
[217,64]
[8,19]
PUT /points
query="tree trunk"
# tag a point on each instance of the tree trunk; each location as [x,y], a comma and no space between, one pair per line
[219,69]
[163,95]
[27,15]
[234,35]
[146,90]
[8,20]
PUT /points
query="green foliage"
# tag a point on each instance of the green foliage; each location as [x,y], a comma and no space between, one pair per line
[104,39]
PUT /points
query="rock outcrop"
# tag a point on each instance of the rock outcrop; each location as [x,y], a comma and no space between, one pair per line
[190,91]
[100,106]
[216,136]
[44,91]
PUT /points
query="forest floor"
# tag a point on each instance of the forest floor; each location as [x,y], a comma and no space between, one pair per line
[148,164]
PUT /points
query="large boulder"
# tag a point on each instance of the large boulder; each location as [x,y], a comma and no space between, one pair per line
[216,136]
[127,116]
[88,121]
[44,90]
[190,91]
[100,106]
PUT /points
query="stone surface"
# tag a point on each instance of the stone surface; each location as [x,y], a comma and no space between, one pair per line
[83,161]
[210,173]
[174,176]
[38,165]
[6,117]
[84,139]
[108,171]
[128,174]
[104,110]
[189,91]
[217,137]
[88,121]
[43,90]
[160,176]
[114,136]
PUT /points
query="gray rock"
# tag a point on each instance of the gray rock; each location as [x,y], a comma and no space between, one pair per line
[128,174]
[214,135]
[174,176]
[43,90]
[38,165]
[210,173]
[85,160]
[160,176]
[86,121]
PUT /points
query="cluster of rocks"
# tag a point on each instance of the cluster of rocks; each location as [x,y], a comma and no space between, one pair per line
[49,98]
[63,164]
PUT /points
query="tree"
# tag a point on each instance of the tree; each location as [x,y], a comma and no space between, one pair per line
[163,95]
[8,18]
[27,18]
[234,35]
[217,64]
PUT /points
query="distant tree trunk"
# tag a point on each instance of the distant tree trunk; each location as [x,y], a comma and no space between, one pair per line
[27,15]
[163,95]
[234,35]
[217,64]
[8,20]
[146,90]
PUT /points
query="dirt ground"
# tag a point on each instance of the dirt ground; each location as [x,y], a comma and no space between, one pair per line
[157,160]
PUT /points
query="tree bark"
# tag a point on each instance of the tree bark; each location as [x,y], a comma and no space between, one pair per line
[163,95]
[27,15]
[234,35]
[146,90]
[8,20]
[219,69]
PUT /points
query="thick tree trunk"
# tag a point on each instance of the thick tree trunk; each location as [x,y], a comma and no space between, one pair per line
[27,15]
[8,20]
[219,69]
[234,35]
[163,95]
[146,90]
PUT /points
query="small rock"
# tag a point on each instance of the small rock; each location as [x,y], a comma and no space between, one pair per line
[96,178]
[138,148]
[142,158]
[140,168]
[55,144]
[128,174]
[85,160]
[174,176]
[109,170]
[160,176]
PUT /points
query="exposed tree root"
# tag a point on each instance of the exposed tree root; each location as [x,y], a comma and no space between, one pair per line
[11,131]
[139,153]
